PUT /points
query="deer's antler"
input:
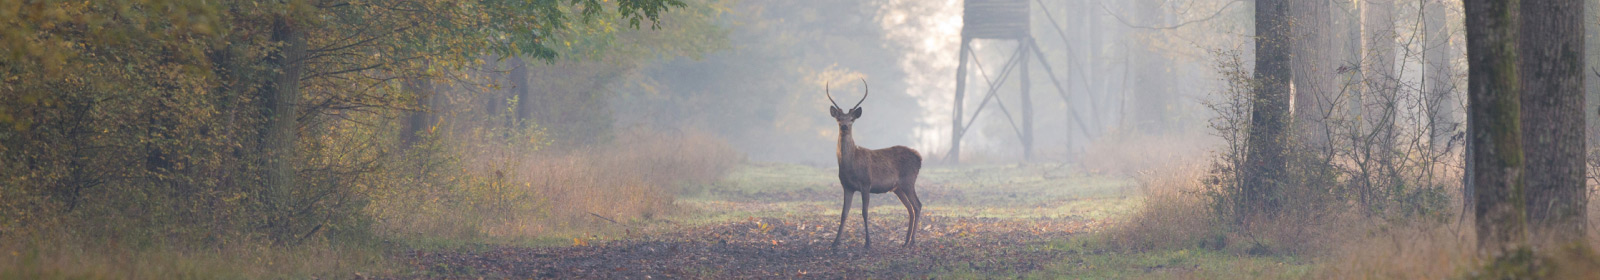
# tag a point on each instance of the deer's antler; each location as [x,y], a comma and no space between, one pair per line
[830,95]
[866,90]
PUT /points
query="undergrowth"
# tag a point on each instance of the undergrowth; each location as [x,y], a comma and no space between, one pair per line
[1363,203]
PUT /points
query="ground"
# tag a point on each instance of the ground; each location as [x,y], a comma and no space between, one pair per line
[778,221]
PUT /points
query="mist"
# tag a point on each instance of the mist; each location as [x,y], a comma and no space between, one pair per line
[1122,72]
[597,139]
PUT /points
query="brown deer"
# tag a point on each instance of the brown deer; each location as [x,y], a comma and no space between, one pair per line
[874,171]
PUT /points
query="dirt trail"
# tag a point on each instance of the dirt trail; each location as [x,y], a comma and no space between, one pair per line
[777,248]
[1046,209]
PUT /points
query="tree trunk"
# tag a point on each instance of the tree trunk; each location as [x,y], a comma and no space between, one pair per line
[281,132]
[1095,67]
[520,89]
[1494,103]
[1438,77]
[1438,86]
[1591,70]
[1269,111]
[419,122]
[1153,101]
[1551,67]
[1349,35]
[1382,82]
[1313,67]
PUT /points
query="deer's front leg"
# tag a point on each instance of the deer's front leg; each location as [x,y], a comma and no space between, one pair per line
[843,213]
[866,227]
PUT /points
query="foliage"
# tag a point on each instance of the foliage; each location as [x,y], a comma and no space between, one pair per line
[144,119]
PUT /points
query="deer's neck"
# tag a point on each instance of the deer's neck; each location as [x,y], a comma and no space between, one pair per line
[847,149]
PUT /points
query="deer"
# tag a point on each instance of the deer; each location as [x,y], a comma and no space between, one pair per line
[868,171]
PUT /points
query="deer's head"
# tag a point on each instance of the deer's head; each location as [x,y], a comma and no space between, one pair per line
[846,119]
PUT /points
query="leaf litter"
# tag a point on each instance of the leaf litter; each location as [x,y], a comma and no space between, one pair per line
[776,248]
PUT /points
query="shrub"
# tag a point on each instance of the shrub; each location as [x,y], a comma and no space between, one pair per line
[501,192]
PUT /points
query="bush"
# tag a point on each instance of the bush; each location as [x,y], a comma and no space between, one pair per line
[1382,174]
[1168,220]
[502,192]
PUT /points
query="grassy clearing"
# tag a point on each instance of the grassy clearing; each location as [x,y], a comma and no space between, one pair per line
[1005,192]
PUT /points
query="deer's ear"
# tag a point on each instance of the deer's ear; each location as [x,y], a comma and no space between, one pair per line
[855,113]
[835,111]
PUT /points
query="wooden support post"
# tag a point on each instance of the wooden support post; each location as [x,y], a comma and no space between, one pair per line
[1027,102]
[993,94]
[1062,90]
[961,89]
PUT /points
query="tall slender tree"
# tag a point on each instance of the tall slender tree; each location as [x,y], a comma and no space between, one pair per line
[1269,111]
[521,89]
[1591,58]
[1550,60]
[1151,104]
[1381,81]
[424,115]
[1493,91]
[1438,76]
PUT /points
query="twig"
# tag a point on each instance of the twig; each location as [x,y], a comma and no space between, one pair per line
[1176,26]
[603,217]
[302,238]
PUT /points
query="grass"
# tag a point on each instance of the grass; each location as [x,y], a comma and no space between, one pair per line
[1179,264]
[1093,258]
[998,191]
[60,258]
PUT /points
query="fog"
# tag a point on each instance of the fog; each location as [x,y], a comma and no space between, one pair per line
[1127,66]
[410,139]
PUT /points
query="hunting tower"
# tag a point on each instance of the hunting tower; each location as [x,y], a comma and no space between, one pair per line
[1000,20]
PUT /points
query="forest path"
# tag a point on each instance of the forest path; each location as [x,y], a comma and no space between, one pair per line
[778,222]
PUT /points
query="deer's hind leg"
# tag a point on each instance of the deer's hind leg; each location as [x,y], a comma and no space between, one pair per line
[911,214]
[916,203]
[844,213]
